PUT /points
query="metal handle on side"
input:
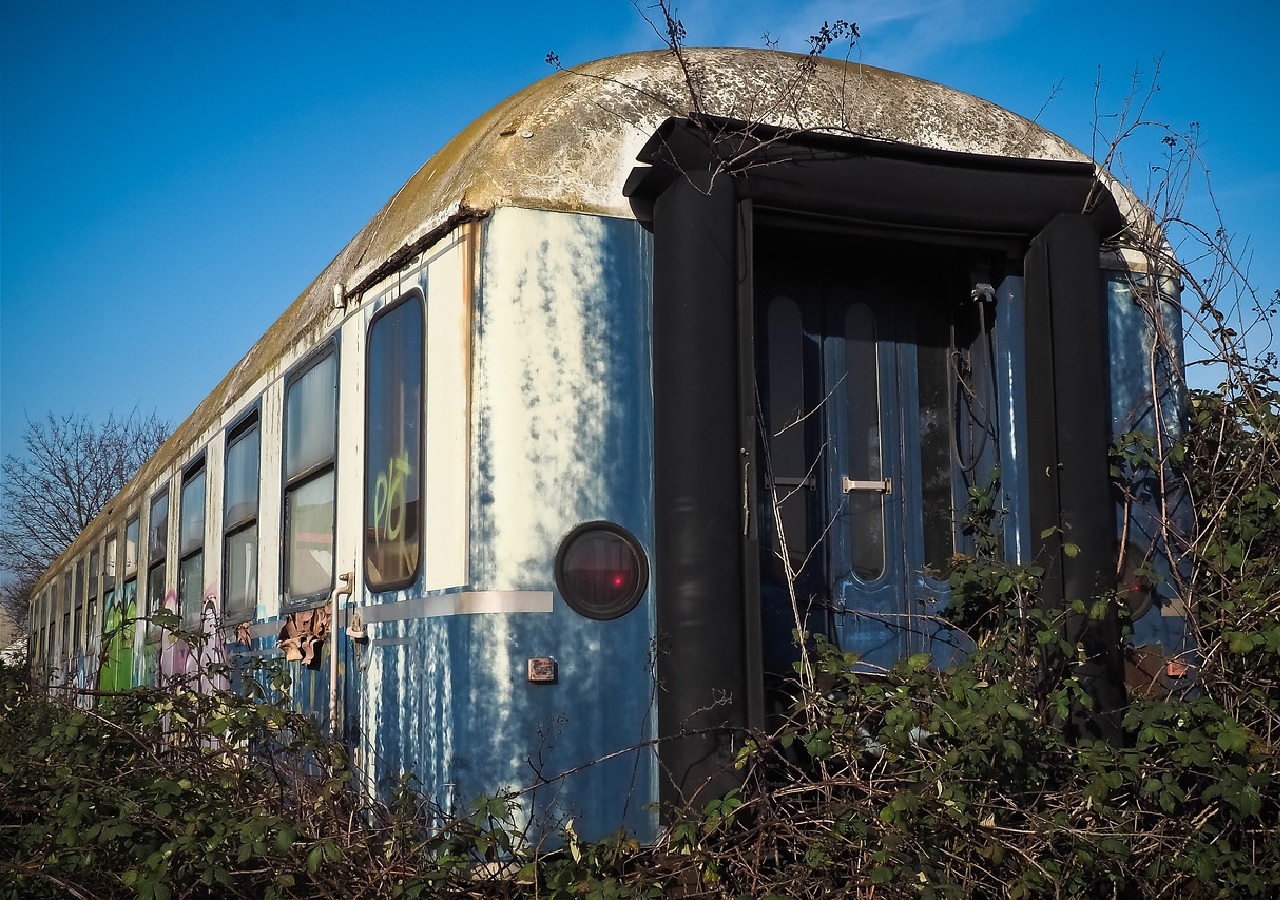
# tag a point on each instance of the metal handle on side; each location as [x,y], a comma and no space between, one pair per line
[880,487]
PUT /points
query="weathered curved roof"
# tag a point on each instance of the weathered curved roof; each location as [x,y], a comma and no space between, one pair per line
[569,141]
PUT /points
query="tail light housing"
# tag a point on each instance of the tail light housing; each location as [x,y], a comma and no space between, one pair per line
[601,571]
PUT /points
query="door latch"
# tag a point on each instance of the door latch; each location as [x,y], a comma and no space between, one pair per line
[848,485]
[780,481]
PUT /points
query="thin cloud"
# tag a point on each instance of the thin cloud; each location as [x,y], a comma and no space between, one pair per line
[903,35]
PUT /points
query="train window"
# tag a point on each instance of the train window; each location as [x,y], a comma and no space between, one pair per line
[91,605]
[128,608]
[600,570]
[310,439]
[108,593]
[240,517]
[78,622]
[79,586]
[191,540]
[790,469]
[109,565]
[131,547]
[90,622]
[865,508]
[157,549]
[67,594]
[393,446]
[933,365]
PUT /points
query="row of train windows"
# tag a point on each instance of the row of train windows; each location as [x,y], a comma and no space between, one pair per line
[393,483]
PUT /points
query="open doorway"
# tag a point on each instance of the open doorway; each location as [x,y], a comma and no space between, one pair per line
[877,407]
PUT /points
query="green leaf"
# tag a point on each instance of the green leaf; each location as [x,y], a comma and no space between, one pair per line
[1018,711]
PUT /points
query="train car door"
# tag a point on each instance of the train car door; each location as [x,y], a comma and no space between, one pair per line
[861,357]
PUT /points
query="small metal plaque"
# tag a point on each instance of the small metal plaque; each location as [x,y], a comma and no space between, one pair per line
[542,670]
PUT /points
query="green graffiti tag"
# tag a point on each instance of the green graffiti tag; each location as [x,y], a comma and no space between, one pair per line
[390,520]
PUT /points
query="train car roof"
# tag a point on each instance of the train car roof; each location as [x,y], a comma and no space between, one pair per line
[570,141]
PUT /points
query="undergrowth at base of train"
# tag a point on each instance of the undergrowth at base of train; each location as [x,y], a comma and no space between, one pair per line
[969,781]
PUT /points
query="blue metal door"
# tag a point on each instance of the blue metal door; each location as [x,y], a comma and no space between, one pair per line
[857,383]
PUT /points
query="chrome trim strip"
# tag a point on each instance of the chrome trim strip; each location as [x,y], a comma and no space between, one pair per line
[465,603]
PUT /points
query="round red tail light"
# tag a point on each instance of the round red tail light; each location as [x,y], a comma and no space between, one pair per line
[600,570]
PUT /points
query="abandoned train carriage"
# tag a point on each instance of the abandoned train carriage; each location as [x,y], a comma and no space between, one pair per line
[561,433]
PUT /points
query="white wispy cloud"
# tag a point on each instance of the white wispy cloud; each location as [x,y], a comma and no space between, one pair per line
[896,34]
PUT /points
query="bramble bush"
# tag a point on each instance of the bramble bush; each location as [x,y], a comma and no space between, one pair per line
[918,783]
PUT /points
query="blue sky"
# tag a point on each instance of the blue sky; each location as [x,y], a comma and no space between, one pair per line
[172,175]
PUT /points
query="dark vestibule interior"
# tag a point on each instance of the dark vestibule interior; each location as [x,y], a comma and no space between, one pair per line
[825,333]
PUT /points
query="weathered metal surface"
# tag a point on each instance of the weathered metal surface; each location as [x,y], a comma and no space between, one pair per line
[560,409]
[568,143]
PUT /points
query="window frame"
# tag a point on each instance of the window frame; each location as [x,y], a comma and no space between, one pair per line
[94,591]
[329,349]
[158,562]
[413,295]
[132,524]
[249,423]
[195,469]
[68,603]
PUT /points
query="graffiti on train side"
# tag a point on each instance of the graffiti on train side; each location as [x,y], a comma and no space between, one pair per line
[391,546]
[115,671]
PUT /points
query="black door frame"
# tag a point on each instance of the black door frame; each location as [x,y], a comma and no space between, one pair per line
[706,541]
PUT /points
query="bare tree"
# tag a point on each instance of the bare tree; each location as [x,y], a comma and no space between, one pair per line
[70,468]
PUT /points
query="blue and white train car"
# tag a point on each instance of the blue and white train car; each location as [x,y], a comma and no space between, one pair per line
[537,477]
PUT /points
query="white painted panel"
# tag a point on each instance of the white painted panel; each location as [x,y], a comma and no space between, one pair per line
[448,381]
[348,547]
[269,500]
[214,467]
[542,399]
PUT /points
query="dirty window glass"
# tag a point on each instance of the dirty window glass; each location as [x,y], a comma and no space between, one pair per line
[310,436]
[109,565]
[242,473]
[240,545]
[310,423]
[79,602]
[191,541]
[866,508]
[158,528]
[933,351]
[157,547]
[131,546]
[191,529]
[393,473]
[792,473]
[309,547]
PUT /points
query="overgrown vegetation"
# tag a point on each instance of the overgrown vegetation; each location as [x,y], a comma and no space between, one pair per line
[959,783]
[920,784]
